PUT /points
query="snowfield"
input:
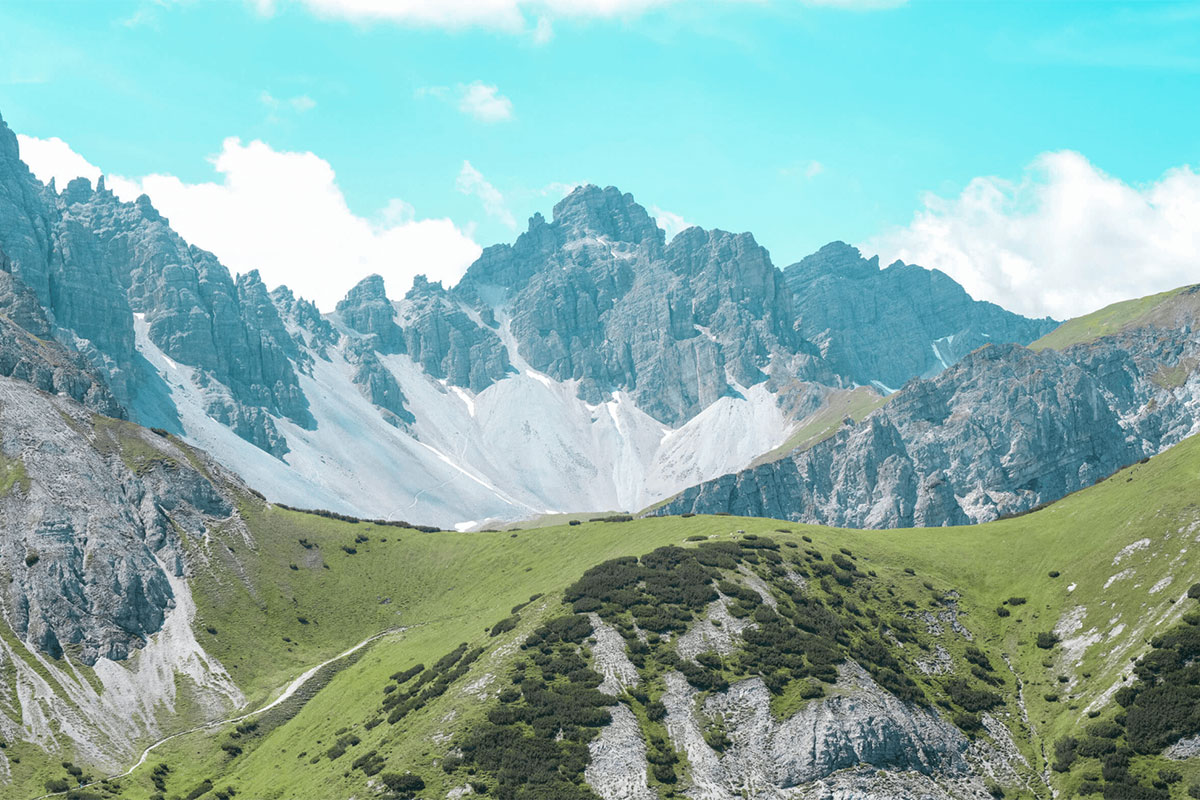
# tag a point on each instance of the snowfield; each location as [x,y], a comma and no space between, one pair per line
[523,447]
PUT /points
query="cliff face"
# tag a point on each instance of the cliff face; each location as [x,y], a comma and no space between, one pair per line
[1002,431]
[595,296]
[883,327]
[97,265]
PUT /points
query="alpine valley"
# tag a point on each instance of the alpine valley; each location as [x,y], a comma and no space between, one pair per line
[615,517]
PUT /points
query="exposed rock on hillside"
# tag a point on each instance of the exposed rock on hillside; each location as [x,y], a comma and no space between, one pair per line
[101,504]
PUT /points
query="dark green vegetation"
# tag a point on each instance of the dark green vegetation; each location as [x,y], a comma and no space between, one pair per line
[1157,709]
[533,744]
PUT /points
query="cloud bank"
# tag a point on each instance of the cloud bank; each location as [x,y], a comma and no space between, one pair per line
[283,214]
[1063,240]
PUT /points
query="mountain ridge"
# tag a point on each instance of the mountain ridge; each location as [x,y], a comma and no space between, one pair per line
[584,366]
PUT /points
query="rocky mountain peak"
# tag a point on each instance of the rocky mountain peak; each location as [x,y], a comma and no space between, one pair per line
[840,258]
[423,286]
[366,309]
[148,210]
[592,211]
[369,289]
[79,190]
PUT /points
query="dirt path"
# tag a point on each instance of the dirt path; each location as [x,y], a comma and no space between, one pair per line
[291,689]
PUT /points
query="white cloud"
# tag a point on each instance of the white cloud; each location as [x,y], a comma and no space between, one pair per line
[484,102]
[300,103]
[54,158]
[283,214]
[669,221]
[531,17]
[558,189]
[471,182]
[1063,240]
[476,99]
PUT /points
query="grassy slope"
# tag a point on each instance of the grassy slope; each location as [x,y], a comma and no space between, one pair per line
[451,587]
[1107,320]
[854,403]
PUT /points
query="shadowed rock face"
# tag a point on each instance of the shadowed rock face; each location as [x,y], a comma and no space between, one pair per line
[1000,432]
[886,326]
[28,353]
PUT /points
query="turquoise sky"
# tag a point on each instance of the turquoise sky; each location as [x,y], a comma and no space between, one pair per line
[801,123]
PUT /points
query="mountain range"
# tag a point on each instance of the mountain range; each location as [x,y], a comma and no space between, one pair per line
[589,366]
[615,516]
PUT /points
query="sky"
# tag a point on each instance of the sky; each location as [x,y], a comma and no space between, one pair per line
[1041,153]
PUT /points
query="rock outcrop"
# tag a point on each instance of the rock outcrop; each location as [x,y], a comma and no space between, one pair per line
[862,725]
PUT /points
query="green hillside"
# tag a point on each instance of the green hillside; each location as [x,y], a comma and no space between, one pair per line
[1106,567]
[1110,319]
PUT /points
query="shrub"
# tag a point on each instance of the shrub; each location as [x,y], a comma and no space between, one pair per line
[1016,601]
[1066,750]
[505,625]
[1054,573]
[406,785]
[203,788]
[1001,611]
[1194,591]
[971,698]
[1047,640]
[664,773]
